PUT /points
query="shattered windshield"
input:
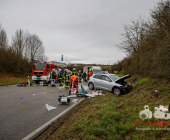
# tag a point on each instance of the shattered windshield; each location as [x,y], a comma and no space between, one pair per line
[114,77]
[97,71]
[39,66]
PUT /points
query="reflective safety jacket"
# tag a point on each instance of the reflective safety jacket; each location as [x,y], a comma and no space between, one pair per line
[60,75]
[74,78]
[53,75]
[67,77]
[90,73]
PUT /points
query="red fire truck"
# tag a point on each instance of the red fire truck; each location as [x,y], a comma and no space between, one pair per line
[41,71]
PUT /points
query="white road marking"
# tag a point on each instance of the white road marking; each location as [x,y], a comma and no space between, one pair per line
[44,92]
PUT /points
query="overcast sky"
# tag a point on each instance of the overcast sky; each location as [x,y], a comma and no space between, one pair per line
[84,31]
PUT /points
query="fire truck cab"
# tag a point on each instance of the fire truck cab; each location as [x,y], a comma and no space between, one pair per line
[41,71]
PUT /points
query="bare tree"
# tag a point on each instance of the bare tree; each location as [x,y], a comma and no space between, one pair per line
[35,48]
[18,42]
[3,38]
[133,37]
[45,58]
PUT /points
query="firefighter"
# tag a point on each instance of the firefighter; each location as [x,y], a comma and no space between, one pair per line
[60,77]
[80,76]
[53,77]
[74,72]
[63,75]
[67,79]
[73,81]
[84,76]
[70,73]
[89,74]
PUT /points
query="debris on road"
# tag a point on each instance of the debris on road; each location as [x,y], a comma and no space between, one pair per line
[72,96]
[100,94]
[83,90]
[96,92]
[36,94]
[62,99]
[19,85]
[21,98]
[86,95]
[74,92]
[49,107]
[75,100]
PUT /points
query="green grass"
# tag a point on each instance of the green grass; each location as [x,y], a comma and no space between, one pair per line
[12,80]
[164,87]
[142,81]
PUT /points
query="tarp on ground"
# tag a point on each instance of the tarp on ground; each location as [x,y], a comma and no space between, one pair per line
[83,90]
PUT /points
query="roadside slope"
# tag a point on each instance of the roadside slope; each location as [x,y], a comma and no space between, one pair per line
[115,117]
[10,79]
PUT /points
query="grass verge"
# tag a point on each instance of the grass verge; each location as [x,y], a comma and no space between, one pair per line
[10,79]
[116,117]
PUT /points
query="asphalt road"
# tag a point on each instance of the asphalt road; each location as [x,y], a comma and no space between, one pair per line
[23,110]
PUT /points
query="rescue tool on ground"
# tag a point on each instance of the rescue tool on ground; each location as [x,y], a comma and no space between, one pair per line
[62,99]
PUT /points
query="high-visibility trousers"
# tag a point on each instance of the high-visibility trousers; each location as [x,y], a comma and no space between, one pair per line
[70,85]
[60,81]
[67,84]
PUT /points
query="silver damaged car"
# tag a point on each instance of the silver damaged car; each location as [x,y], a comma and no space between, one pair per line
[110,82]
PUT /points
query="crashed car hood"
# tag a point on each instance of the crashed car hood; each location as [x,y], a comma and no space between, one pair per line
[122,78]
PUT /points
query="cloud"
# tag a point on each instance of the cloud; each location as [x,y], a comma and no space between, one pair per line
[84,31]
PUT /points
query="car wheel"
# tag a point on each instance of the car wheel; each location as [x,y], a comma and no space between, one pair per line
[91,86]
[117,91]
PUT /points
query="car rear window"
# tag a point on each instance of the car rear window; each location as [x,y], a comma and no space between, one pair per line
[97,76]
